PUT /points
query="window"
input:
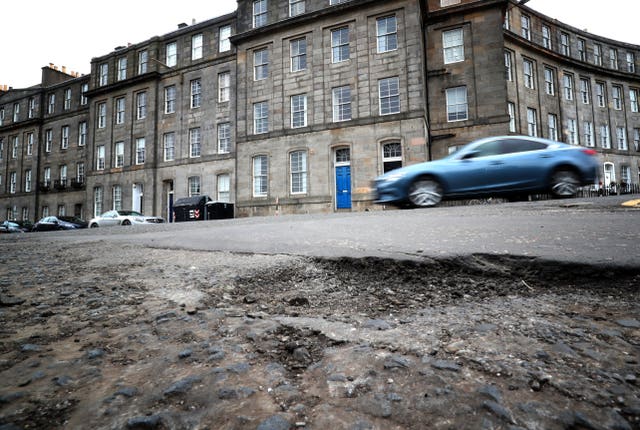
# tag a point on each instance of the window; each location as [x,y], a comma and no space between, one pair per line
[260,176]
[196,93]
[525,24]
[103,74]
[391,156]
[224,188]
[224,34]
[296,7]
[549,86]
[565,48]
[582,50]
[260,117]
[588,134]
[140,150]
[47,176]
[100,154]
[631,62]
[597,54]
[48,140]
[82,133]
[195,146]
[444,3]
[259,13]
[67,99]
[511,109]
[141,105]
[51,105]
[298,52]
[508,66]
[97,201]
[616,96]
[298,168]
[340,44]
[633,99]
[298,111]
[170,99]
[552,126]
[64,137]
[45,211]
[102,115]
[453,46]
[14,148]
[341,101]
[546,37]
[83,94]
[31,109]
[529,77]
[600,94]
[169,146]
[605,137]
[29,143]
[143,60]
[27,181]
[1,149]
[260,64]
[625,175]
[572,132]
[613,58]
[194,186]
[117,197]
[224,138]
[224,87]
[2,116]
[387,33]
[621,138]
[63,174]
[16,112]
[118,160]
[171,54]
[389,95]
[25,214]
[636,139]
[122,68]
[62,211]
[13,182]
[568,86]
[120,110]
[457,109]
[585,93]
[532,122]
[196,47]
[80,172]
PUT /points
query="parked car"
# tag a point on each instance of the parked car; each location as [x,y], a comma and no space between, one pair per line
[497,166]
[121,217]
[10,227]
[50,223]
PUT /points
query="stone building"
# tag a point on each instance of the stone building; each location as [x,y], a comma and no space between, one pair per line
[294,106]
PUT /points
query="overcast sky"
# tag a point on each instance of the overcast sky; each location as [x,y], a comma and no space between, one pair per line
[39,32]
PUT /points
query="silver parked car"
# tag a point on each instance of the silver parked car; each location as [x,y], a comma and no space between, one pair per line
[121,217]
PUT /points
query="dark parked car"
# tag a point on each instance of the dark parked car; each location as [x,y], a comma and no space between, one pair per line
[497,166]
[50,223]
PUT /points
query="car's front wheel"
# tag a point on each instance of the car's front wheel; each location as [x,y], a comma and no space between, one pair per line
[425,192]
[126,222]
[94,225]
[564,183]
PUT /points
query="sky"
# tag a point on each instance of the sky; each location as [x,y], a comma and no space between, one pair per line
[72,34]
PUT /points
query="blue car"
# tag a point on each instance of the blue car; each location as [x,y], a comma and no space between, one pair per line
[506,166]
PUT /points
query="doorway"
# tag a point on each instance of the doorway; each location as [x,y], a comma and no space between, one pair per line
[343,178]
[136,197]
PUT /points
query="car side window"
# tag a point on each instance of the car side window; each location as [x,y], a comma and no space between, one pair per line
[489,148]
[512,146]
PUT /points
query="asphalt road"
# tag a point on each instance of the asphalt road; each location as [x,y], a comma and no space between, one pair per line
[596,231]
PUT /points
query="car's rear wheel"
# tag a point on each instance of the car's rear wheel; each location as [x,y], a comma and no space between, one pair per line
[425,192]
[126,222]
[564,183]
[94,225]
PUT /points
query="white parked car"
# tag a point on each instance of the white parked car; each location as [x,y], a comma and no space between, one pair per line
[123,218]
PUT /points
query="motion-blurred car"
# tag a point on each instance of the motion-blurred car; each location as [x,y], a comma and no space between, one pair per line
[120,217]
[10,227]
[509,166]
[51,223]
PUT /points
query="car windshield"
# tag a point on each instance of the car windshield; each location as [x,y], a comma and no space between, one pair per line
[129,213]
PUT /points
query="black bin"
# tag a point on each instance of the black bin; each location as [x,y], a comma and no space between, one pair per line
[190,209]
[219,210]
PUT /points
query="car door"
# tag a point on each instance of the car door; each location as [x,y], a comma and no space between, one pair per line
[467,173]
[109,218]
[518,166]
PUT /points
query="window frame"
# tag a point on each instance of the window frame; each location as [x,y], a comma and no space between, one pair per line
[261,64]
[169,146]
[386,39]
[195,142]
[389,97]
[118,154]
[224,138]
[298,54]
[451,96]
[298,110]
[140,150]
[197,47]
[340,49]
[453,47]
[298,172]
[341,103]
[260,175]
[260,13]
[196,93]
[260,117]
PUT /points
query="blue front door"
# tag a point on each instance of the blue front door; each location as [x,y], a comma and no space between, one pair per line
[343,187]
